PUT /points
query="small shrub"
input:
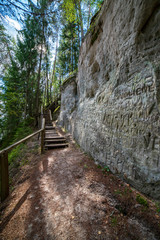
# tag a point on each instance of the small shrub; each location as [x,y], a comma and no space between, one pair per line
[141,200]
[106,169]
[99,166]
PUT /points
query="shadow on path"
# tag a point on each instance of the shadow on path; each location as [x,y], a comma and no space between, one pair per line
[14,210]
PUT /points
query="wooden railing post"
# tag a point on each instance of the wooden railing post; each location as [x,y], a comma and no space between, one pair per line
[42,141]
[50,114]
[42,136]
[41,116]
[4,175]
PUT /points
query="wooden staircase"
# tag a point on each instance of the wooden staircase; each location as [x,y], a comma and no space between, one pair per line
[52,137]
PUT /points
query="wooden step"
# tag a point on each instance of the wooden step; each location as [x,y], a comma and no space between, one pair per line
[50,131]
[59,145]
[49,127]
[51,135]
[55,140]
[54,137]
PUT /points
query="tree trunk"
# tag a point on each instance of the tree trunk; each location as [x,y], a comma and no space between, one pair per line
[89,12]
[27,91]
[38,82]
[54,66]
[47,86]
[80,18]
[78,7]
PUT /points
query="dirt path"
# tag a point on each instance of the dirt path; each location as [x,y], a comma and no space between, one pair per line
[65,196]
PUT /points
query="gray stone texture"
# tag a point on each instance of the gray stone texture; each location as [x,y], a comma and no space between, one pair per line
[112,108]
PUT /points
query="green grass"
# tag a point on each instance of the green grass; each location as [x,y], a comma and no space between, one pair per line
[118,192]
[114,221]
[141,200]
[16,153]
[85,166]
[127,190]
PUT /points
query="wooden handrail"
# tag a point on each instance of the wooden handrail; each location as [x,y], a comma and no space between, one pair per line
[4,173]
[19,142]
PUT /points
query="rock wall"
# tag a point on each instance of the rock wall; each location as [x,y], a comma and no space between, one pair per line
[112,108]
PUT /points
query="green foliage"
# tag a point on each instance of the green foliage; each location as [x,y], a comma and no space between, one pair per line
[22,131]
[118,192]
[141,200]
[56,109]
[99,166]
[69,10]
[105,169]
[85,166]
[68,51]
[17,152]
[114,221]
[5,48]
[158,207]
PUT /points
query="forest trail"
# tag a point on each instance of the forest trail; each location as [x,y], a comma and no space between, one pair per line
[65,196]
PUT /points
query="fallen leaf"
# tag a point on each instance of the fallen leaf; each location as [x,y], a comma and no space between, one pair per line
[72,217]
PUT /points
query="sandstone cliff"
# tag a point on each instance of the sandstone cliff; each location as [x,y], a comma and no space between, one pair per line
[112,108]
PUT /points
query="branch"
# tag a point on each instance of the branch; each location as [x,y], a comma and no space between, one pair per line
[24,10]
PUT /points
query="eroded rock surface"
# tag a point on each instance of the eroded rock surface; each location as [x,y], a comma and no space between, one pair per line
[117,116]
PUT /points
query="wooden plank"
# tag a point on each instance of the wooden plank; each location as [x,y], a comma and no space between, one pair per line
[4,176]
[55,140]
[54,137]
[57,145]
